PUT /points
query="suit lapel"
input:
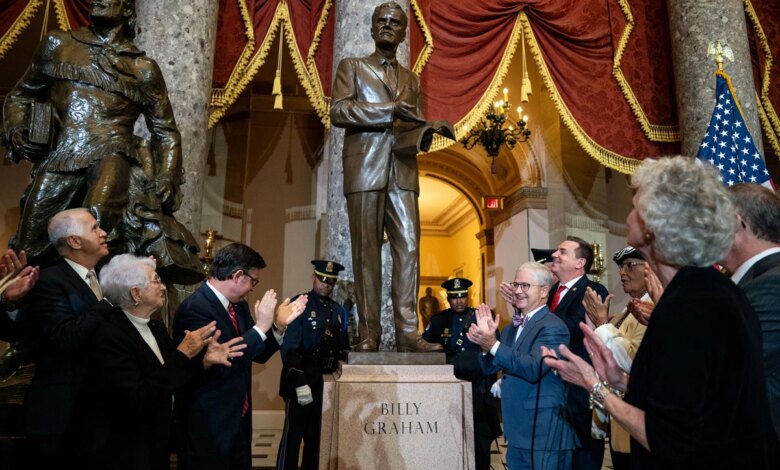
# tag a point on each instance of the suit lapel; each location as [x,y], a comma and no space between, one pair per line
[760,268]
[77,284]
[531,326]
[376,67]
[145,352]
[219,313]
[567,299]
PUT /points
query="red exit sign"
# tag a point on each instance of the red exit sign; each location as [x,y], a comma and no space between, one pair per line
[493,202]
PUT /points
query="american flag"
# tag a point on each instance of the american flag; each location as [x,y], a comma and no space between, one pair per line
[728,144]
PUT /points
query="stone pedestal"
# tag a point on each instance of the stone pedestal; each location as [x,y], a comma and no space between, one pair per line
[396,417]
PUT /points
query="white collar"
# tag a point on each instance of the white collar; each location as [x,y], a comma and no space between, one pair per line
[138,322]
[745,267]
[533,312]
[222,299]
[80,270]
[571,283]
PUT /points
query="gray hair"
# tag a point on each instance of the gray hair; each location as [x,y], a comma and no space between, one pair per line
[759,208]
[541,273]
[683,203]
[120,275]
[65,224]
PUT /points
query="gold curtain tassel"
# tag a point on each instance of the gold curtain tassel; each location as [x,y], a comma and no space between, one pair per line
[278,101]
[525,89]
[277,89]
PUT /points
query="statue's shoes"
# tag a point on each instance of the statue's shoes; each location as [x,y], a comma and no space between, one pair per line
[414,342]
[367,345]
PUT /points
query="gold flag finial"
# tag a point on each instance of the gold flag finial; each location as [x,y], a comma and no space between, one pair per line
[720,49]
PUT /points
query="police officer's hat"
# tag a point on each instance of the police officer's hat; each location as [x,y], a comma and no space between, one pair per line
[457,287]
[542,255]
[626,253]
[326,271]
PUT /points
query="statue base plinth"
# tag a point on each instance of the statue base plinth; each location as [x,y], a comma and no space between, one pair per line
[386,415]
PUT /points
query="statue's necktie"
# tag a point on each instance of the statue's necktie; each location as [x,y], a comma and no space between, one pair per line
[391,77]
[94,285]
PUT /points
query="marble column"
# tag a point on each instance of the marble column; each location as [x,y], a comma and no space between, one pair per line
[694,24]
[353,39]
[180,35]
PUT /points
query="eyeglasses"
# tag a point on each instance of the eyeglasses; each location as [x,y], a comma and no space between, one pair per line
[255,282]
[630,266]
[524,286]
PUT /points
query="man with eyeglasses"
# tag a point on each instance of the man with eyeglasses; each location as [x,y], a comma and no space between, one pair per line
[449,328]
[533,405]
[622,333]
[215,413]
[571,262]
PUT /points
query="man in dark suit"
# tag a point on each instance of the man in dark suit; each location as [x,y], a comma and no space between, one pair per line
[312,346]
[449,328]
[754,260]
[571,261]
[62,321]
[373,97]
[533,405]
[215,413]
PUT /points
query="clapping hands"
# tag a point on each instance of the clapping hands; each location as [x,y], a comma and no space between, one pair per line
[483,332]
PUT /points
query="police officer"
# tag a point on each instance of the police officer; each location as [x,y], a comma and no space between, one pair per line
[449,328]
[311,348]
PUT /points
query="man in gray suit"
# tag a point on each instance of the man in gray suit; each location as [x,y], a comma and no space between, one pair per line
[375,97]
[754,260]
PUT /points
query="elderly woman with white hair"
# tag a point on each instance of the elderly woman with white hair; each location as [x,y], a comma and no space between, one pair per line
[696,395]
[136,367]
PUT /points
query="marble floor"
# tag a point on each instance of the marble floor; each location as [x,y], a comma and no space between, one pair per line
[265,444]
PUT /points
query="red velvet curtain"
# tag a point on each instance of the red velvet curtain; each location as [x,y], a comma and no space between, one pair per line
[764,33]
[577,41]
[15,15]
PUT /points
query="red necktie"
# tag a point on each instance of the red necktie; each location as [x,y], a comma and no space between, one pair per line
[557,297]
[234,320]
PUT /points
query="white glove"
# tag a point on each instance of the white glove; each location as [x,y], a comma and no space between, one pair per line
[496,389]
[304,395]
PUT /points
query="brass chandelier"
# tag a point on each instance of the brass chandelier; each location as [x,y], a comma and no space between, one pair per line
[497,128]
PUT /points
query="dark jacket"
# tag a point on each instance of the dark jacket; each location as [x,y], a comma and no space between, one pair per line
[62,322]
[209,408]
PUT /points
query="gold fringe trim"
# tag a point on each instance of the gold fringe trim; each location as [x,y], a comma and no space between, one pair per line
[767,126]
[605,157]
[427,50]
[766,112]
[478,111]
[306,69]
[245,70]
[62,15]
[319,100]
[22,21]
[655,132]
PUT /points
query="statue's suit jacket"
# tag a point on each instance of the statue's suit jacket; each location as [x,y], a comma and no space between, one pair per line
[761,284]
[521,368]
[209,409]
[362,103]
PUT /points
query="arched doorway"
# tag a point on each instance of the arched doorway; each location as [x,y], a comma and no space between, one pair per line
[449,246]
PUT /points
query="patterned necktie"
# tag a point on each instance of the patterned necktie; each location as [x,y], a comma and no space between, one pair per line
[557,297]
[94,285]
[518,319]
[233,319]
[232,314]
